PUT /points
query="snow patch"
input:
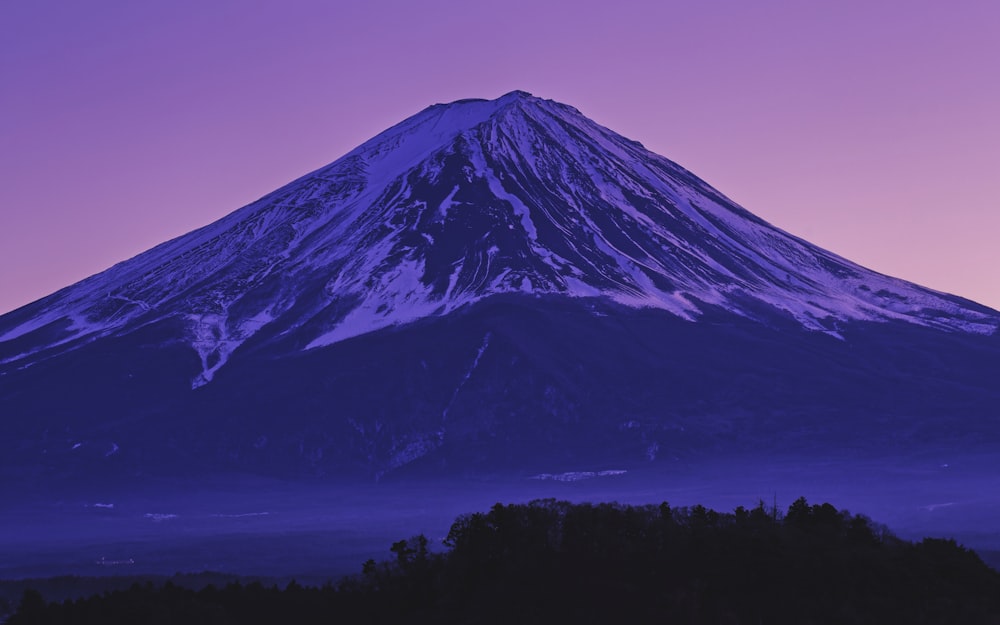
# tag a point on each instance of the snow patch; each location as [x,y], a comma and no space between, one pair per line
[576,476]
[468,374]
[447,203]
[937,506]
[215,342]
[496,187]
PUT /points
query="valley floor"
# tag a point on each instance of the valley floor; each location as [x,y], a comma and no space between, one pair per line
[321,530]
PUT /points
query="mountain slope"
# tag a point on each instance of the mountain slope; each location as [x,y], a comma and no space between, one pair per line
[276,338]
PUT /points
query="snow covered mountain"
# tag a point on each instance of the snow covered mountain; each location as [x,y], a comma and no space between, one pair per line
[460,202]
[502,202]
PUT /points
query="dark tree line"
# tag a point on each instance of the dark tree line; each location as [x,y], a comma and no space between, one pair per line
[553,562]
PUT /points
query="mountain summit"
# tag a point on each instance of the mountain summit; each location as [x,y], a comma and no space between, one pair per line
[519,202]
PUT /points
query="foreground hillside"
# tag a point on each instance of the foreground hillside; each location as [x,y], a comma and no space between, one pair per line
[551,561]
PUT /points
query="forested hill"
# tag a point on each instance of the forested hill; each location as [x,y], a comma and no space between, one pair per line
[556,562]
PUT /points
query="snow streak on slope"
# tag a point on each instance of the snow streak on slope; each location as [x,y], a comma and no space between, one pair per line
[458,203]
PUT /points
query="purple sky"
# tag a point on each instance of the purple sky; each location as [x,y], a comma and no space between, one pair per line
[870,128]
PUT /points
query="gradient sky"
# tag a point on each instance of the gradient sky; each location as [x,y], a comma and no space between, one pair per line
[870,128]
